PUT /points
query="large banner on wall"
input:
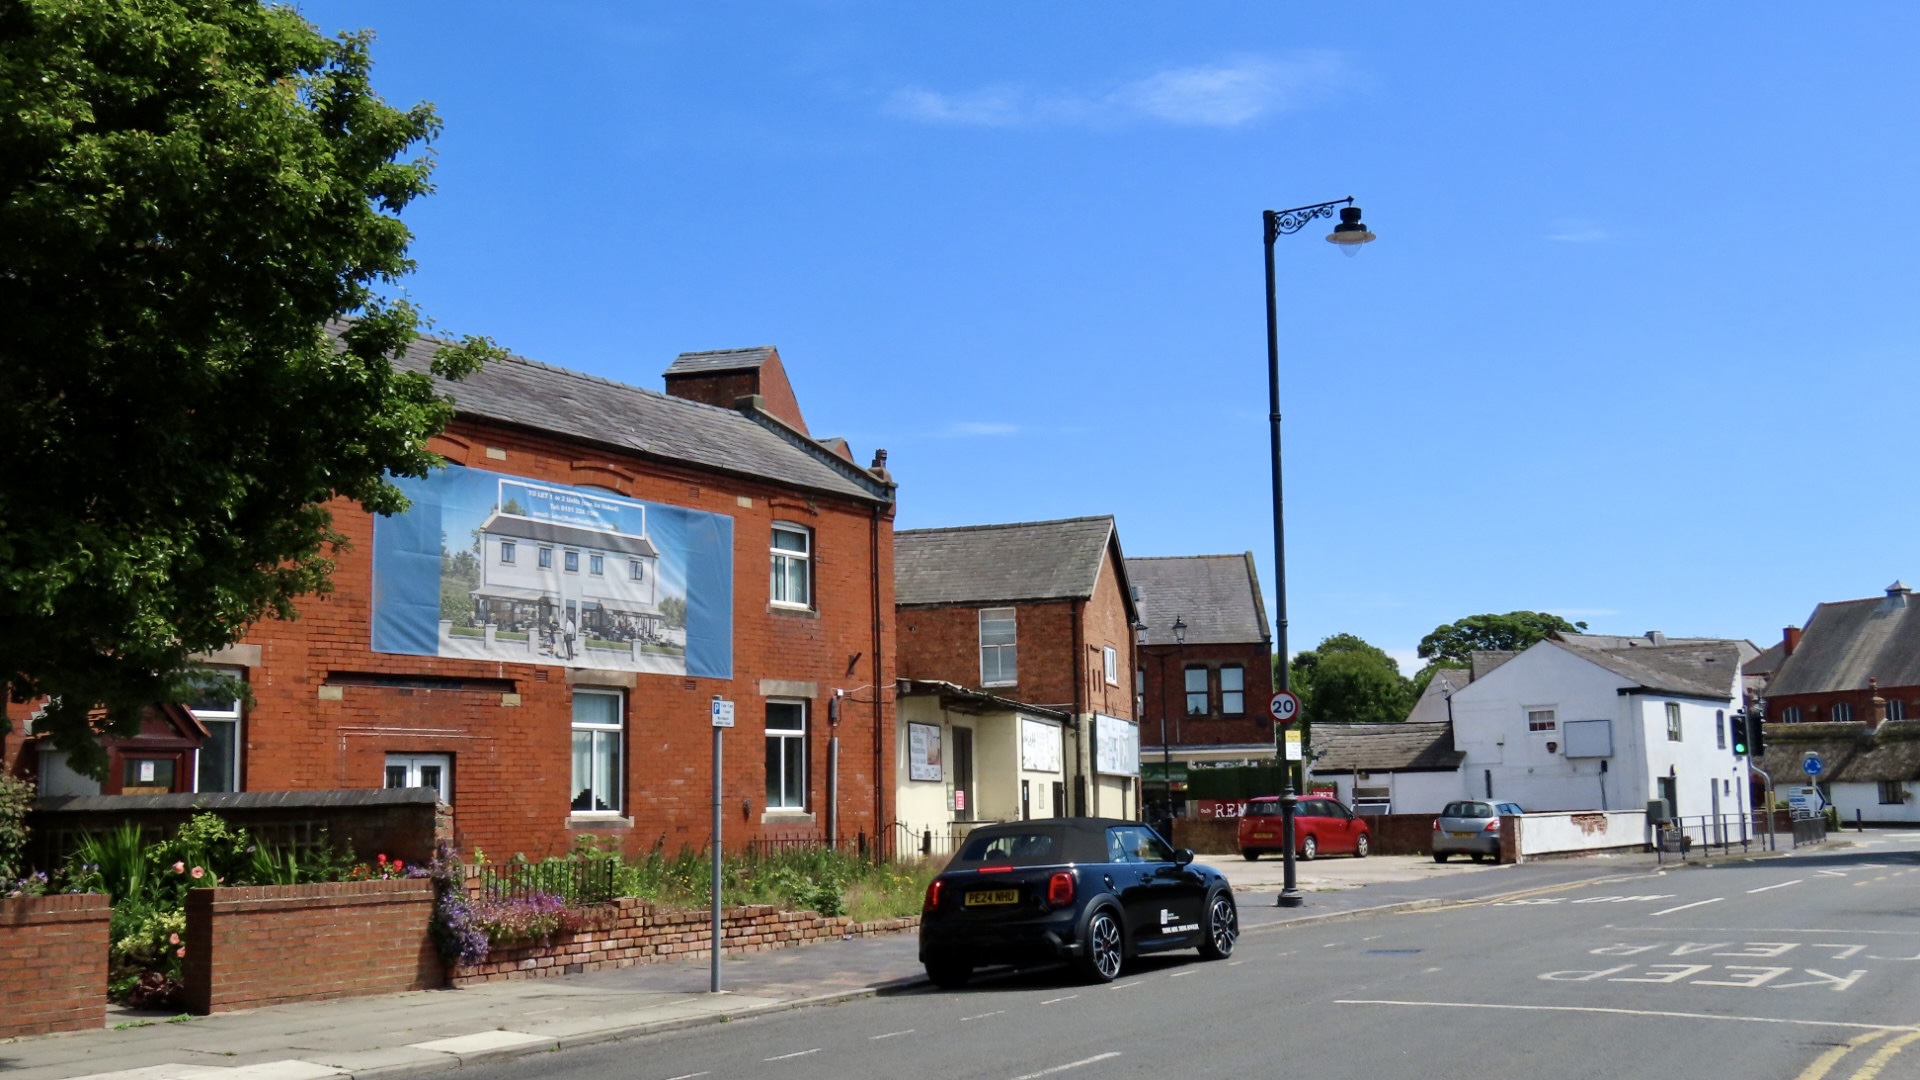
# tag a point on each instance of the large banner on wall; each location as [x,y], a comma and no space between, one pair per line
[486,566]
[1116,746]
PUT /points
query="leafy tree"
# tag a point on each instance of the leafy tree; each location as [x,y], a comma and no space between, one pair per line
[1426,674]
[1344,680]
[673,610]
[190,191]
[1454,644]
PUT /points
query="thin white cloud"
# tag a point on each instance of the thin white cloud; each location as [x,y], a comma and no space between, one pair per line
[1578,232]
[1230,93]
[979,429]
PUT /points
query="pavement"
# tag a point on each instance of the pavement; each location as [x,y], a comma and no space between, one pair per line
[417,1033]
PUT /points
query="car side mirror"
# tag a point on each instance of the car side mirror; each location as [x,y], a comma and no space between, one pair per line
[1183,856]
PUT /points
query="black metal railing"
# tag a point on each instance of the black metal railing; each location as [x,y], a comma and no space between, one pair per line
[577,881]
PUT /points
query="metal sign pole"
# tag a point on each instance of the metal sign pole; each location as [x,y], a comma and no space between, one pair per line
[722,720]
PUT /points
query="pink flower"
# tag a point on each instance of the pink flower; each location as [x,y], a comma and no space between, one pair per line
[383,859]
[173,939]
[199,873]
[179,868]
[182,952]
[398,865]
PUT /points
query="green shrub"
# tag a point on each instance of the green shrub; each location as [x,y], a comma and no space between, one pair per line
[16,798]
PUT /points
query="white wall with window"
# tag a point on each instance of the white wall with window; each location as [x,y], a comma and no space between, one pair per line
[792,566]
[999,645]
[599,737]
[219,713]
[422,770]
[786,756]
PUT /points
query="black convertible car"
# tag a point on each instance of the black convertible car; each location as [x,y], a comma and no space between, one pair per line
[1091,891]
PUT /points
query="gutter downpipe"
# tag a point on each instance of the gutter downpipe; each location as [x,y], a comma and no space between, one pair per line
[1079,710]
[880,686]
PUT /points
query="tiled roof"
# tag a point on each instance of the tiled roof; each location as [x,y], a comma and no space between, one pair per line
[1432,705]
[1217,596]
[533,395]
[1654,639]
[1767,662]
[1485,660]
[1385,748]
[1033,560]
[690,363]
[1848,642]
[1849,753]
[1695,670]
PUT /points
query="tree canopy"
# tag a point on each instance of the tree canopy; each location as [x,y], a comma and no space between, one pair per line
[190,192]
[1454,644]
[1344,680]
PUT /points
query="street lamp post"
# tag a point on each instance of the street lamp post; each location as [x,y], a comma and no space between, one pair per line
[1349,235]
[1166,751]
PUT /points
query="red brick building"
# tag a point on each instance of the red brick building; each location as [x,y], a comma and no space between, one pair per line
[1035,612]
[1856,661]
[1206,657]
[541,636]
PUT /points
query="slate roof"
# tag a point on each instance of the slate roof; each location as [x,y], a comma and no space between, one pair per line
[975,564]
[712,360]
[1345,748]
[1432,706]
[1767,662]
[532,395]
[1217,596]
[1847,642]
[1694,670]
[1848,751]
[1485,660]
[1654,640]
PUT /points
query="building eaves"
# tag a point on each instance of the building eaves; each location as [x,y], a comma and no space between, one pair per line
[966,699]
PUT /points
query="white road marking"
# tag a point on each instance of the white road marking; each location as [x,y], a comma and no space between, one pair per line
[795,1054]
[1069,1065]
[1795,1021]
[1782,885]
[1124,986]
[1053,1001]
[1179,975]
[1696,903]
[686,1076]
[1235,963]
[1832,873]
[889,1035]
[982,1016]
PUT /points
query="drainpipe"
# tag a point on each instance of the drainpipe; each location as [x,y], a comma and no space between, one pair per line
[1079,710]
[880,686]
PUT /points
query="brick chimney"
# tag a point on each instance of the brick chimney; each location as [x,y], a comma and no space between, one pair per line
[1876,705]
[1790,637]
[723,376]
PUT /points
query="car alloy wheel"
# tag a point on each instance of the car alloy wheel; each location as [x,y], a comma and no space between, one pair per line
[1223,928]
[1309,848]
[1103,956]
[1361,847]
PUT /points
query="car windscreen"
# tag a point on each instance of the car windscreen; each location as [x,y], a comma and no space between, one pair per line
[1032,846]
[1263,809]
[1467,809]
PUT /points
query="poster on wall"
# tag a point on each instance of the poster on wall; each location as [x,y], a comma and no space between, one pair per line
[1039,745]
[1116,746]
[486,566]
[923,752]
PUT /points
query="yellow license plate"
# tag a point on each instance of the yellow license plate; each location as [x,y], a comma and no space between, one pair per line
[1263,836]
[1463,835]
[985,897]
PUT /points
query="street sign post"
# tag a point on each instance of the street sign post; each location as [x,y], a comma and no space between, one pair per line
[1811,764]
[722,720]
[1284,707]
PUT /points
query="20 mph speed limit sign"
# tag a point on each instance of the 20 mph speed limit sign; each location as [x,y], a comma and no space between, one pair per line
[1284,706]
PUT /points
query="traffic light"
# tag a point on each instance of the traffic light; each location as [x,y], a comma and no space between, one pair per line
[1740,733]
[1756,733]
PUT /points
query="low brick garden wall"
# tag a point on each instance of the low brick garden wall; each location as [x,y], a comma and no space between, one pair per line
[631,931]
[272,944]
[53,964]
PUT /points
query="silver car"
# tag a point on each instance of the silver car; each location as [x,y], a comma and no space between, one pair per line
[1470,827]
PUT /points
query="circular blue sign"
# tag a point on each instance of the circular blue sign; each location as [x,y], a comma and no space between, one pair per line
[1811,765]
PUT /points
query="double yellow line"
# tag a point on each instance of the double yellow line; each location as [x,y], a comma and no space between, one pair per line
[1824,1064]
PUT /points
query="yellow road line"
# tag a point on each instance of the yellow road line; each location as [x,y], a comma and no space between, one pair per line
[1824,1064]
[1879,1061]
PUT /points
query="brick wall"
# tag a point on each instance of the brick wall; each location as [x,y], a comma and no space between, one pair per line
[1166,666]
[268,945]
[53,953]
[631,931]
[507,730]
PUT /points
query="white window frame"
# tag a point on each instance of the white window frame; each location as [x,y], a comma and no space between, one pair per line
[636,570]
[1789,715]
[600,734]
[791,568]
[211,715]
[546,557]
[1841,713]
[415,773]
[1675,733]
[509,553]
[570,561]
[1539,720]
[787,756]
[1233,700]
[1004,669]
[1896,709]
[597,564]
[1720,729]
[1110,664]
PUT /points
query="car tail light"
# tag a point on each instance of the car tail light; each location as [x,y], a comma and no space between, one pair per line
[933,895]
[1494,825]
[1060,889]
[1436,824]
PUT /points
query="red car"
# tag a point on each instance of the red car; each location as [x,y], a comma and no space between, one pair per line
[1320,827]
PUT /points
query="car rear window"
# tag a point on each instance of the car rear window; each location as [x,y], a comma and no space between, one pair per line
[1263,809]
[1024,847]
[1467,809]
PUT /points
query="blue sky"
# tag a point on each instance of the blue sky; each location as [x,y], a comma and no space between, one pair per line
[1636,344]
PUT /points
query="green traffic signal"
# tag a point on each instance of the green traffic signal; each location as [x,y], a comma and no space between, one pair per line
[1740,733]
